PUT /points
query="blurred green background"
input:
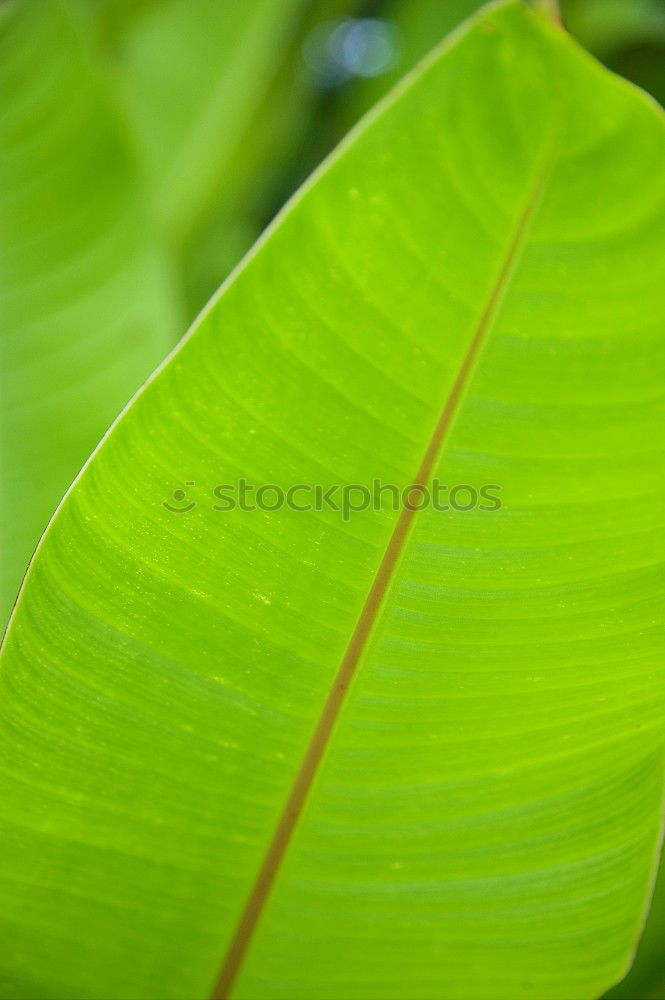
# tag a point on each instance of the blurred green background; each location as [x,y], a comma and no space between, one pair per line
[319,65]
[144,146]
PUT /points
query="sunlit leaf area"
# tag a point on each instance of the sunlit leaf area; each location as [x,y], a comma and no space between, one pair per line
[333,499]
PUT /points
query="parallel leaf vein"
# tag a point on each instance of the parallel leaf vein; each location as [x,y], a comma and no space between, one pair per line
[283,833]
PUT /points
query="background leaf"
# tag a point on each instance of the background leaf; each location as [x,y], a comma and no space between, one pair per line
[190,103]
[286,137]
[88,301]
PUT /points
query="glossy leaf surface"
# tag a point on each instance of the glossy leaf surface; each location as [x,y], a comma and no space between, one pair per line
[470,290]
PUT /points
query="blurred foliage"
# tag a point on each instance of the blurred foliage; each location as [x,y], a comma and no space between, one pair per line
[256,133]
[233,105]
[190,104]
[88,300]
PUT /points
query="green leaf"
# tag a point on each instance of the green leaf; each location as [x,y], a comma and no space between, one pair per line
[193,73]
[404,754]
[87,308]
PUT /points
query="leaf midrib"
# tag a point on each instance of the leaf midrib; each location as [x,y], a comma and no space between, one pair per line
[307,771]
